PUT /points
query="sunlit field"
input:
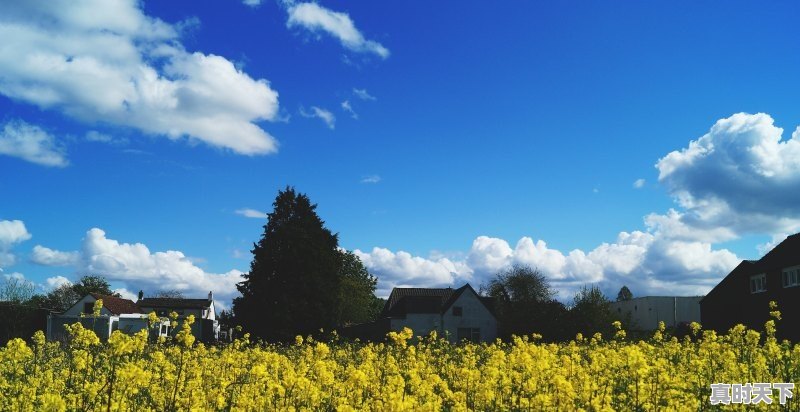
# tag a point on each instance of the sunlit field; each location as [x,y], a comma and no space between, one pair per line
[128,373]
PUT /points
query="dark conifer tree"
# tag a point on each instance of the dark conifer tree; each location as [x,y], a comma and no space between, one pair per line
[293,284]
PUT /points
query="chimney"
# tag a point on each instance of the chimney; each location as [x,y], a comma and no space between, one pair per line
[141,294]
[210,296]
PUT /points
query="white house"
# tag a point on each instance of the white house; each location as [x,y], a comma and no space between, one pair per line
[117,314]
[206,328]
[457,314]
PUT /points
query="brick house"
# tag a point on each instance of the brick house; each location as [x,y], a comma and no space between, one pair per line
[743,296]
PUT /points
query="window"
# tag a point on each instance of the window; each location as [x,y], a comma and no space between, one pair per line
[791,277]
[164,330]
[458,311]
[88,307]
[758,283]
[470,334]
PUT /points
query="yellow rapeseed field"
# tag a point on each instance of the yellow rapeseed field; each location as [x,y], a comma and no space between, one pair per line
[406,373]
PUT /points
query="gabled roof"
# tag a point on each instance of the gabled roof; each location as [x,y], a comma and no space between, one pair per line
[177,303]
[425,300]
[117,305]
[786,251]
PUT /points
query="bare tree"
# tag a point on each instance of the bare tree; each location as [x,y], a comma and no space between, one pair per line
[16,290]
[169,294]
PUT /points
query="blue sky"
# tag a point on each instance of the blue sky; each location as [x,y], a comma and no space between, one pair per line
[443,141]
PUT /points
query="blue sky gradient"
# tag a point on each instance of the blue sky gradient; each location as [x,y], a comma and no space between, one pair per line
[503,120]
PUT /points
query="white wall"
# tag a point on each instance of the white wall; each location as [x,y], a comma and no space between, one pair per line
[474,315]
[77,308]
[647,311]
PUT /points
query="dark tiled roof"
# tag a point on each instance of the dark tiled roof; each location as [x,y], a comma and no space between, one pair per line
[786,252]
[174,303]
[117,305]
[425,300]
[416,300]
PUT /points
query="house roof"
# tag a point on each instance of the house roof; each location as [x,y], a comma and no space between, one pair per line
[176,303]
[117,305]
[426,300]
[785,251]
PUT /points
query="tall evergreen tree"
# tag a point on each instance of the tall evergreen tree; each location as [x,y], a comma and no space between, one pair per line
[624,294]
[293,284]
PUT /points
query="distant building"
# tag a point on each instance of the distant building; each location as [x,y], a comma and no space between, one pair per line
[743,296]
[645,312]
[117,314]
[130,317]
[459,314]
[206,327]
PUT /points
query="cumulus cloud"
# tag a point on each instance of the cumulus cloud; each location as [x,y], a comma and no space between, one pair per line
[252,3]
[741,177]
[136,267]
[11,233]
[400,269]
[139,268]
[256,214]
[363,94]
[50,257]
[371,179]
[56,281]
[349,109]
[645,262]
[315,18]
[31,143]
[325,115]
[639,183]
[106,61]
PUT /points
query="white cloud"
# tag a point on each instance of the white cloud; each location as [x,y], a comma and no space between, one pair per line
[401,269]
[95,136]
[371,179]
[738,178]
[138,268]
[126,294]
[349,109]
[11,233]
[31,143]
[315,18]
[645,262]
[56,281]
[50,257]
[639,183]
[252,3]
[322,114]
[363,94]
[106,61]
[256,214]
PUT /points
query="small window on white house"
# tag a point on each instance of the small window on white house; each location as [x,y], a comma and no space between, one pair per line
[791,277]
[758,283]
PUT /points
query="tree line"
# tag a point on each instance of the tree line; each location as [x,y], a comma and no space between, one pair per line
[302,282]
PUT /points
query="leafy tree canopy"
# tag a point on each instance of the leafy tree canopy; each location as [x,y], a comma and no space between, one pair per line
[357,301]
[524,303]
